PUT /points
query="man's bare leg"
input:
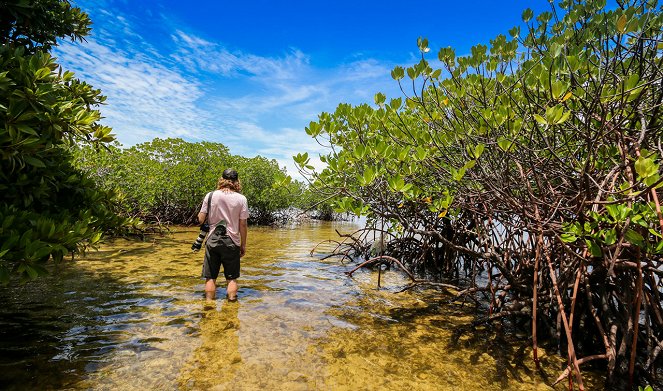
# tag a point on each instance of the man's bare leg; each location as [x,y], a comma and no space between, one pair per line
[232,290]
[210,289]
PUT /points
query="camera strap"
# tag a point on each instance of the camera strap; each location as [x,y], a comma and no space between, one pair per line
[209,206]
[209,210]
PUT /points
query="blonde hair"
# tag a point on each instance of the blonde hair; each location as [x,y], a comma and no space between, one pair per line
[235,186]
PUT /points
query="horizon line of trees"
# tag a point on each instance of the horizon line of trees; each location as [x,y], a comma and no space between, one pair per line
[163,181]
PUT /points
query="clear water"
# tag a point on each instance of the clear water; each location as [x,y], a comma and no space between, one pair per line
[133,316]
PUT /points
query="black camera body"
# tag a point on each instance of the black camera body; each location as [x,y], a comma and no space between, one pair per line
[198,244]
[221,229]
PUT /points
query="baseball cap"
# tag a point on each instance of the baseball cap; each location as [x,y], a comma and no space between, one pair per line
[230,174]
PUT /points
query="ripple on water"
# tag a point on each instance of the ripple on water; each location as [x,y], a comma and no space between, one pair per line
[132,316]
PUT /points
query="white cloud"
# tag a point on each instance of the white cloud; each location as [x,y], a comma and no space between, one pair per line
[281,145]
[146,99]
[190,87]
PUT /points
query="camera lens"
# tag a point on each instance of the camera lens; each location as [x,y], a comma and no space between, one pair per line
[199,241]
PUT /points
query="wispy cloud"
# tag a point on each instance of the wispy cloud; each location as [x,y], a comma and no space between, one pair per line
[190,87]
[202,55]
[145,98]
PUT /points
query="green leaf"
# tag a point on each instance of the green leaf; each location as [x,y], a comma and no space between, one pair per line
[568,237]
[403,154]
[457,175]
[527,15]
[301,159]
[540,119]
[447,55]
[10,242]
[505,144]
[478,150]
[558,88]
[380,98]
[621,24]
[33,161]
[565,116]
[398,73]
[313,129]
[613,211]
[651,231]
[41,253]
[95,238]
[7,222]
[556,50]
[634,237]
[27,130]
[395,104]
[31,271]
[645,167]
[387,152]
[369,175]
[652,179]
[396,183]
[422,43]
[632,81]
[594,248]
[470,164]
[634,94]
[421,153]
[359,151]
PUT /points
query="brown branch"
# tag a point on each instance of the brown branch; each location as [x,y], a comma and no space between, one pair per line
[580,361]
[380,258]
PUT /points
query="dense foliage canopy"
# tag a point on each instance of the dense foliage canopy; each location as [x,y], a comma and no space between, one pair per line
[47,207]
[164,181]
[528,170]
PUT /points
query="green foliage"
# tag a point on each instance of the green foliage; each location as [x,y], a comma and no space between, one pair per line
[164,181]
[36,24]
[267,188]
[47,207]
[554,131]
[487,110]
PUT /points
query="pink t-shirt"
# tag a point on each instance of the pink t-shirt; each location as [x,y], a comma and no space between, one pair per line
[229,206]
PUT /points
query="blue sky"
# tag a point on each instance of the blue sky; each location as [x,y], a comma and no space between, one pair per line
[253,74]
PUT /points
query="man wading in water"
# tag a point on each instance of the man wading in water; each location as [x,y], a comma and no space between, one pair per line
[226,242]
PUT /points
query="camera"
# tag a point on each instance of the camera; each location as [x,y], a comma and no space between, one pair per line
[220,228]
[204,229]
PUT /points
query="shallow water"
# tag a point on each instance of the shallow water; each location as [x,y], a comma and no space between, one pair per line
[133,316]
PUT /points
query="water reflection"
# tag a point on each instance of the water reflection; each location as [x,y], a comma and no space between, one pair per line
[215,362]
[133,316]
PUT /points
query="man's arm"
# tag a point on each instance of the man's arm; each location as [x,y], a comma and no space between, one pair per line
[243,229]
[206,204]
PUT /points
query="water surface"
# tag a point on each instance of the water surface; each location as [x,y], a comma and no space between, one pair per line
[133,316]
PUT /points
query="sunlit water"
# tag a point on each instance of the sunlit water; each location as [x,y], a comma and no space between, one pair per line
[133,316]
